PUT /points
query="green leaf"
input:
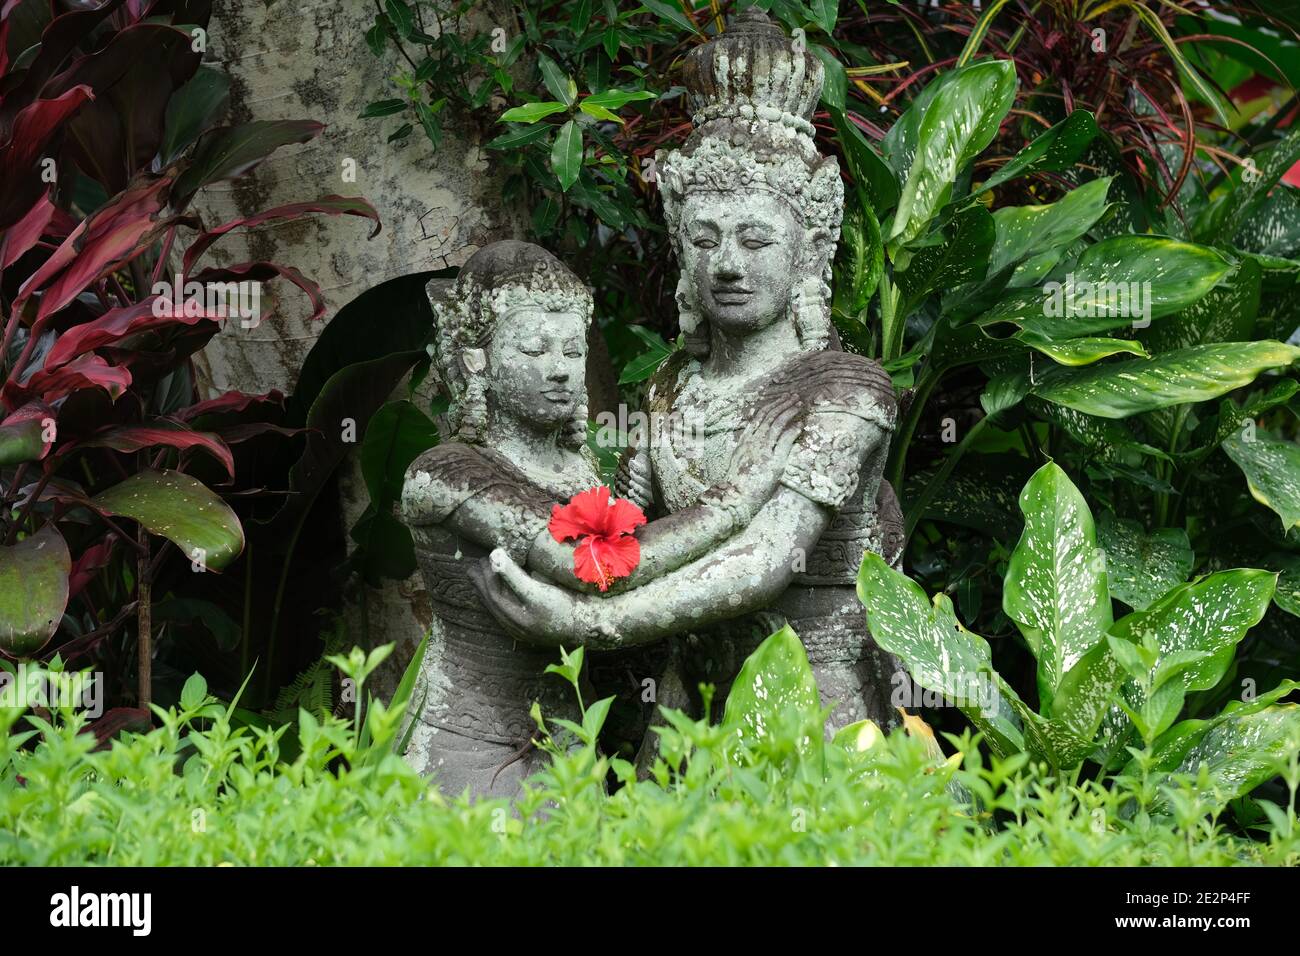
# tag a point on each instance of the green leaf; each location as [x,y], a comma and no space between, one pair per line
[859,261]
[1287,595]
[1252,191]
[1272,470]
[1083,351]
[961,257]
[1210,615]
[1224,314]
[937,651]
[1243,750]
[22,434]
[1121,389]
[617,99]
[1274,228]
[194,693]
[566,154]
[1142,566]
[400,16]
[670,12]
[870,172]
[959,121]
[232,151]
[1055,150]
[825,13]
[558,83]
[190,110]
[1115,283]
[398,432]
[598,111]
[181,509]
[521,136]
[1033,238]
[33,591]
[1055,586]
[531,112]
[775,685]
[383,108]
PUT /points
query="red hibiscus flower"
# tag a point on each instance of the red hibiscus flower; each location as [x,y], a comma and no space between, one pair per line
[603,529]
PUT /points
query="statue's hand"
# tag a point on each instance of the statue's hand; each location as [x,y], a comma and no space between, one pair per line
[760,456]
[533,610]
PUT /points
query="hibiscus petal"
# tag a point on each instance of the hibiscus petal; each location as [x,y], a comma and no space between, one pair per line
[622,517]
[584,514]
[600,560]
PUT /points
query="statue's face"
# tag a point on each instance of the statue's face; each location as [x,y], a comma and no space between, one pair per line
[740,251]
[537,364]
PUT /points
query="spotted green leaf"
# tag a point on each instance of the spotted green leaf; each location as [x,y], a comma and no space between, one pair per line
[1141,566]
[1082,351]
[1124,388]
[775,684]
[1055,587]
[1124,280]
[1056,149]
[1033,238]
[175,506]
[1272,470]
[937,651]
[33,591]
[945,131]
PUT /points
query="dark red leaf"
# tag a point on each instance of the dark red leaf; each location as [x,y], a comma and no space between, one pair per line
[26,232]
[115,325]
[332,205]
[92,561]
[119,720]
[129,438]
[89,371]
[230,402]
[33,128]
[261,272]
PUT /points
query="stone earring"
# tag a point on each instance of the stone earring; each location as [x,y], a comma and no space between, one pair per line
[576,433]
[473,412]
[811,322]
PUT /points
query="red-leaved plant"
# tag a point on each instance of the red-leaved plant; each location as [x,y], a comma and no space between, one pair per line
[105,136]
[603,528]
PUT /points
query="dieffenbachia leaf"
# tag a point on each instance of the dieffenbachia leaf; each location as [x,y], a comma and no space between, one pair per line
[1121,281]
[1056,149]
[1082,351]
[1141,566]
[1124,388]
[1224,314]
[1055,588]
[937,651]
[775,684]
[175,506]
[1272,470]
[1212,614]
[1033,238]
[33,591]
[940,133]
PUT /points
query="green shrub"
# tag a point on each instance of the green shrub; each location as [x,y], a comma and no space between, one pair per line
[201,790]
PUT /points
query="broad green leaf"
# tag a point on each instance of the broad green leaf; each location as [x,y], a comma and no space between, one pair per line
[959,121]
[1035,237]
[190,110]
[937,651]
[859,736]
[531,112]
[1124,280]
[961,257]
[566,154]
[775,685]
[598,111]
[1082,351]
[825,13]
[1287,595]
[870,172]
[33,591]
[1252,191]
[1124,388]
[396,435]
[1056,149]
[1055,586]
[25,432]
[521,136]
[979,494]
[1272,470]
[1224,314]
[1174,745]
[383,108]
[181,509]
[1212,614]
[859,262]
[1274,229]
[1244,750]
[1142,566]
[1081,703]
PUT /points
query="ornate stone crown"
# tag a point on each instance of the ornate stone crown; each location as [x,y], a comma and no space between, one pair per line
[753,71]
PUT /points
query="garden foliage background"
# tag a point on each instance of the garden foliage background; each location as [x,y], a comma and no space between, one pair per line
[989,153]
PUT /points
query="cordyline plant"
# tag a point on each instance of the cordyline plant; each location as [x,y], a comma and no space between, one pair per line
[106,134]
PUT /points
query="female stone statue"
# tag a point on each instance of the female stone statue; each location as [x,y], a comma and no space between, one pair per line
[754,213]
[510,348]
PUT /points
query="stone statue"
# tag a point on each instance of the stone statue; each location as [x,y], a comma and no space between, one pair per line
[510,349]
[754,214]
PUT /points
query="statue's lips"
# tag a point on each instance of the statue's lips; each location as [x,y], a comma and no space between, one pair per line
[557,395]
[732,296]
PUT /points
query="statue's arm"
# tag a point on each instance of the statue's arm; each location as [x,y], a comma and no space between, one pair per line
[724,510]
